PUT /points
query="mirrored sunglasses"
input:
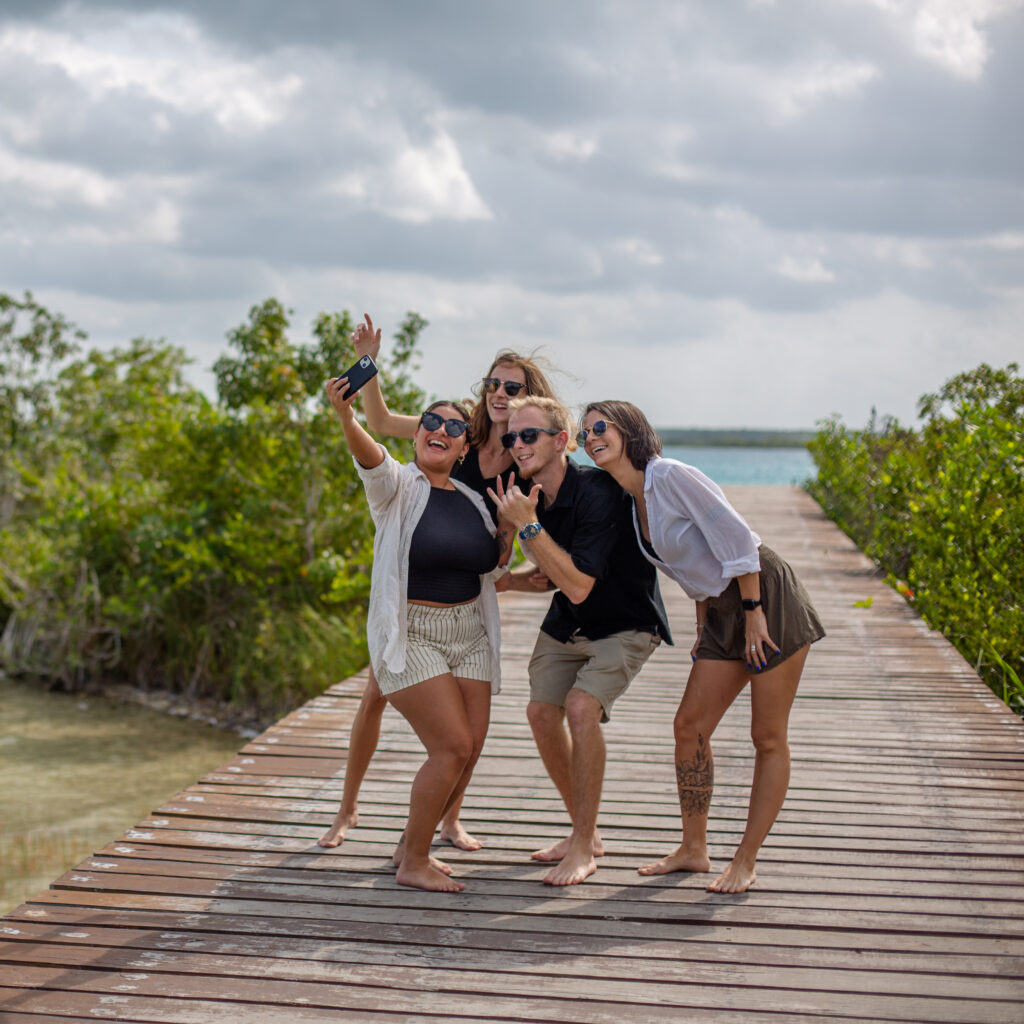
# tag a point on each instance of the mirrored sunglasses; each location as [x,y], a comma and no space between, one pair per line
[597,430]
[528,434]
[452,427]
[512,387]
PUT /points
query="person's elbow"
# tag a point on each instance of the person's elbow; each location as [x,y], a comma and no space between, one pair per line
[579,590]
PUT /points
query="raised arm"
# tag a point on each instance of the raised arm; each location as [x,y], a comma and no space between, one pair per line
[363,447]
[379,418]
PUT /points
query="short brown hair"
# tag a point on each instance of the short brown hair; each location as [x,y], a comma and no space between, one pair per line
[640,439]
[536,384]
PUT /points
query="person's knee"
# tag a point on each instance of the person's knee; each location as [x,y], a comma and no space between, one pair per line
[583,711]
[768,739]
[543,716]
[373,701]
[687,728]
[457,751]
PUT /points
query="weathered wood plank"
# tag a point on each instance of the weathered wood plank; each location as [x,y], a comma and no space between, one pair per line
[891,888]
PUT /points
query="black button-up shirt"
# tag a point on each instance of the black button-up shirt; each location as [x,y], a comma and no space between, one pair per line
[591,519]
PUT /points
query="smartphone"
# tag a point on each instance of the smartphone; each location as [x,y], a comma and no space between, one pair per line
[359,374]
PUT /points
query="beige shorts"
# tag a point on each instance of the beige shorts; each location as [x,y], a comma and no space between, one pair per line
[439,640]
[603,668]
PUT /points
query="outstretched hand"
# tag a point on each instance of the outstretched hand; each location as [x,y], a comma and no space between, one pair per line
[512,504]
[366,340]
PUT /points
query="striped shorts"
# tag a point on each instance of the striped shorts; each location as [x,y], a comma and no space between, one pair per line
[439,640]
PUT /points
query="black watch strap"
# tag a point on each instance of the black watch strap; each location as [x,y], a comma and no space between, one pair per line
[749,605]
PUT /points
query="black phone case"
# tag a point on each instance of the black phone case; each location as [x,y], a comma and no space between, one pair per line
[359,373]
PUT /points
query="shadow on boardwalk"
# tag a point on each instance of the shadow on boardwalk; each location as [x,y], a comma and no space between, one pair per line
[891,889]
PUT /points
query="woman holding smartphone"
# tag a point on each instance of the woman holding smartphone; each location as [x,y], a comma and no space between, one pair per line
[755,623]
[433,626]
[509,375]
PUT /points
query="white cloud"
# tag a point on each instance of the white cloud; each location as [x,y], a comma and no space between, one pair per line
[803,268]
[795,91]
[48,182]
[417,185]
[568,146]
[166,58]
[952,33]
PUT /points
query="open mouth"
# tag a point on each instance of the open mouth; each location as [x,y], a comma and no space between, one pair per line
[598,448]
[437,445]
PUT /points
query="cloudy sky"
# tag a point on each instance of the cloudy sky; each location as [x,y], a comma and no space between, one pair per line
[735,213]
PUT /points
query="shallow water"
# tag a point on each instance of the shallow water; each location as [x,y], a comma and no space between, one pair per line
[76,771]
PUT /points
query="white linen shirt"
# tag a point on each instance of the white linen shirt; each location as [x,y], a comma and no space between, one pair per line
[701,540]
[397,494]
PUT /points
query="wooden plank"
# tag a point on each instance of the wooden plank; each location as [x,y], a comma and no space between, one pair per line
[891,887]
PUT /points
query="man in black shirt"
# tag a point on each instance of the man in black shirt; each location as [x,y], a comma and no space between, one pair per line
[604,621]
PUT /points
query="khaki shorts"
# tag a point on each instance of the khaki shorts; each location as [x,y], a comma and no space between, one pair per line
[451,639]
[603,668]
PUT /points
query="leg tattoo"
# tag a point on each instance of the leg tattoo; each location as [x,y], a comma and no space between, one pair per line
[695,779]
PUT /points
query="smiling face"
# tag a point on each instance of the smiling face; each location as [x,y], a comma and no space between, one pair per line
[497,401]
[435,450]
[532,459]
[606,449]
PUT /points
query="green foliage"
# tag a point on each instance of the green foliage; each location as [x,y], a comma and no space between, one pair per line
[941,510]
[157,537]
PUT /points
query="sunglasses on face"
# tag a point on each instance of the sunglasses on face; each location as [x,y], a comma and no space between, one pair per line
[512,387]
[528,434]
[597,430]
[452,427]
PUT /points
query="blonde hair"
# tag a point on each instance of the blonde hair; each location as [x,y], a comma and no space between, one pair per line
[554,412]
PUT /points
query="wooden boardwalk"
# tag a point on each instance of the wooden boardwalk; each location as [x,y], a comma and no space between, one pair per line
[891,889]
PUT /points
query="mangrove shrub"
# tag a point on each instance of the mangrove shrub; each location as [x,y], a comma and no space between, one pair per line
[940,508]
[151,535]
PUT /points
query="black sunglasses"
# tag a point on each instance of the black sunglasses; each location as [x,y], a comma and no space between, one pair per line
[453,427]
[597,430]
[528,434]
[512,387]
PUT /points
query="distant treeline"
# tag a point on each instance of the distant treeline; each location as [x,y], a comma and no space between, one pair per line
[697,438]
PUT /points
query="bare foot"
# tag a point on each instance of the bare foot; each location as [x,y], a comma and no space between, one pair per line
[399,855]
[679,860]
[574,868]
[455,834]
[561,849]
[425,876]
[739,876]
[335,835]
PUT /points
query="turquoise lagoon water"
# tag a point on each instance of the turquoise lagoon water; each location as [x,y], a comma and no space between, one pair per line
[742,465]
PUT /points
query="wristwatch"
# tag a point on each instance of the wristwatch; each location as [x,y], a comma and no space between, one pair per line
[529,531]
[749,605]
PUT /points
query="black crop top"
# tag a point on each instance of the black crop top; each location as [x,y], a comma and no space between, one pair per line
[451,547]
[469,473]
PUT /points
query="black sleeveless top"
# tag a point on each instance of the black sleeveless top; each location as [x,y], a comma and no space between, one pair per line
[468,472]
[450,549]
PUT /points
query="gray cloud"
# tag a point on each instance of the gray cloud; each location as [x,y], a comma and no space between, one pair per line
[796,162]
